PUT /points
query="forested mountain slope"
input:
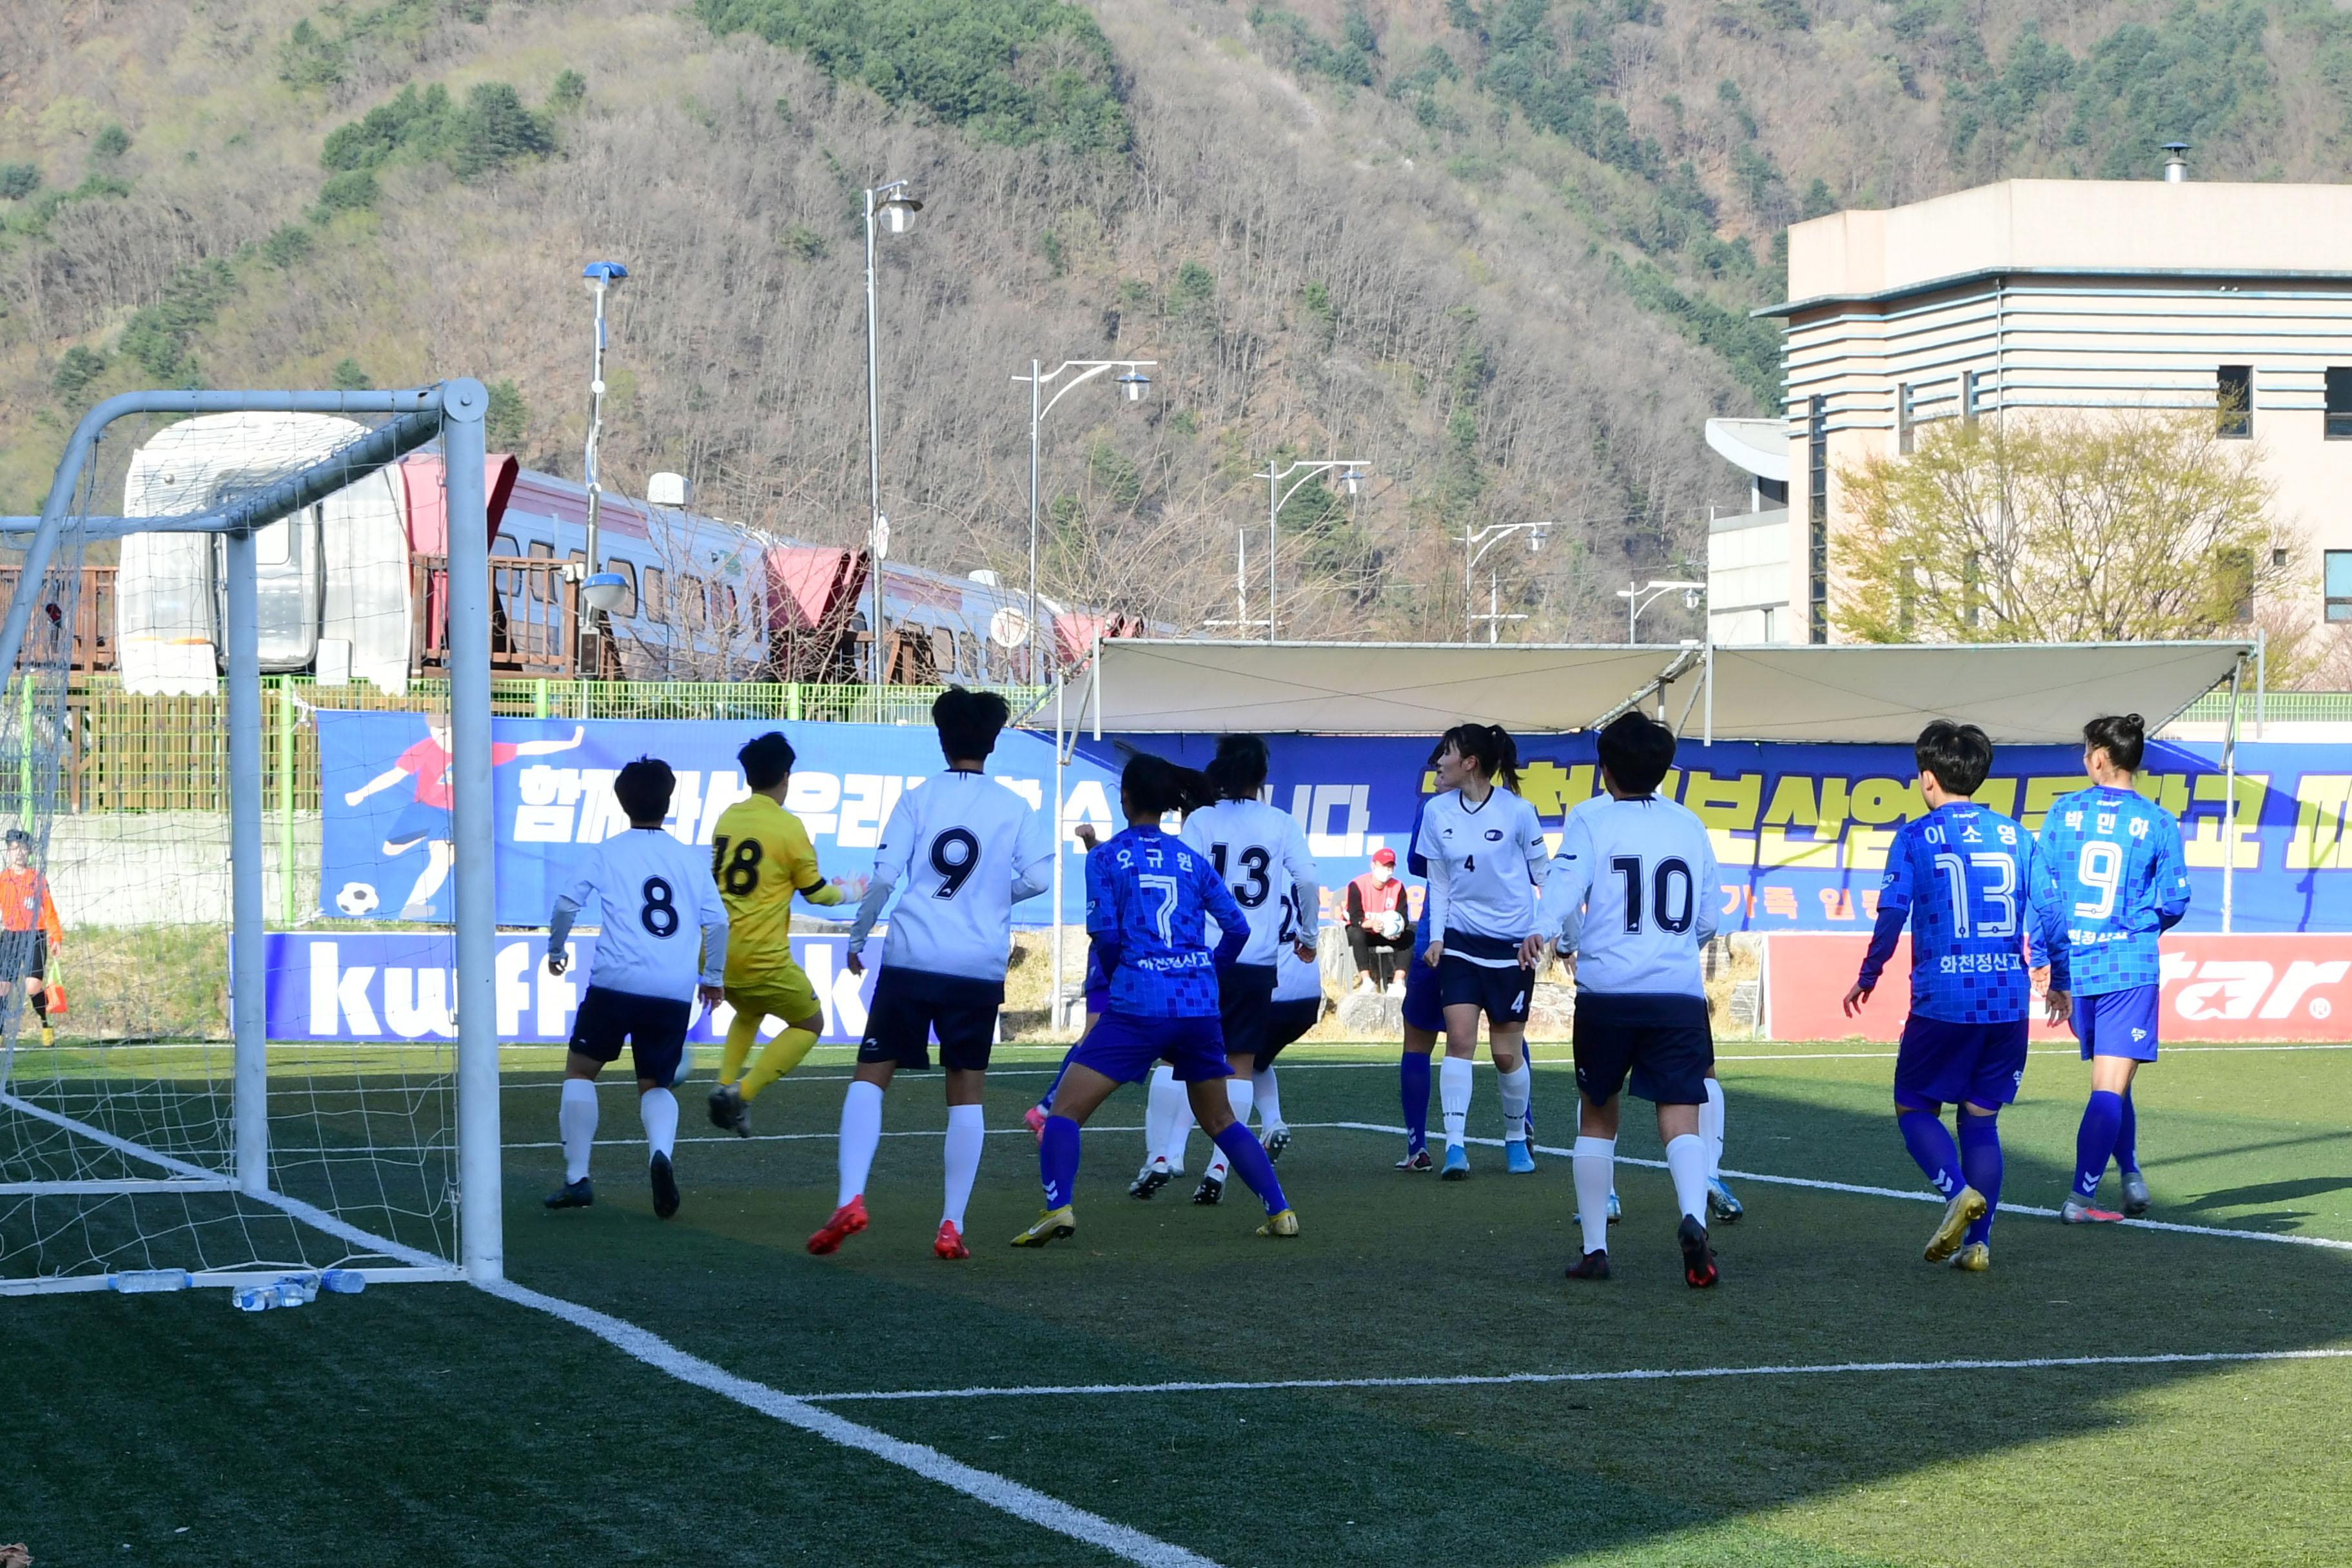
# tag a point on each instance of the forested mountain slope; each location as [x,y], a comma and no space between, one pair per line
[1503,252]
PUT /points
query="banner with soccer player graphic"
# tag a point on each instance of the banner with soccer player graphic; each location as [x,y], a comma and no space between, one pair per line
[1800,831]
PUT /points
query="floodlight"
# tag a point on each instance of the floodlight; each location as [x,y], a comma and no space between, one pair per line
[898,213]
[1133,383]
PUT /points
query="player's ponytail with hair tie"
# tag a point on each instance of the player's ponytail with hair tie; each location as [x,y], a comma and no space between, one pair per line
[1507,757]
[1154,786]
[1238,771]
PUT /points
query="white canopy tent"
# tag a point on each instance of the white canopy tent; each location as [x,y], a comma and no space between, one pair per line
[2019,693]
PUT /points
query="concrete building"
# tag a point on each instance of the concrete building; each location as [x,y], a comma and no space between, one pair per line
[2048,294]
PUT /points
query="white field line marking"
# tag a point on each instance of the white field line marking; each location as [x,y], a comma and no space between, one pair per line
[1636,1375]
[1908,1195]
[1011,1496]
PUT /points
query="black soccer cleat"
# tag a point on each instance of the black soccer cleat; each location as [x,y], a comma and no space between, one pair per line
[577,1194]
[1416,1159]
[728,1112]
[1211,1191]
[1592,1265]
[1149,1180]
[1275,1143]
[665,1187]
[1698,1260]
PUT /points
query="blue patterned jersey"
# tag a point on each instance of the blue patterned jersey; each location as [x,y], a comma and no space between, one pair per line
[1983,909]
[1148,898]
[2121,878]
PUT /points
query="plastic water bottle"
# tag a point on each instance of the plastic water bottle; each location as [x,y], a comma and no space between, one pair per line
[139,1281]
[254,1298]
[296,1290]
[342,1281]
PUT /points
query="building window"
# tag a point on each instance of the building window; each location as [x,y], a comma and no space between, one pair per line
[2339,584]
[628,575]
[541,551]
[1817,512]
[1904,418]
[654,608]
[2340,402]
[2233,395]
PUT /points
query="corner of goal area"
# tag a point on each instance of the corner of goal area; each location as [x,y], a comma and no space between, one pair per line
[1010,1496]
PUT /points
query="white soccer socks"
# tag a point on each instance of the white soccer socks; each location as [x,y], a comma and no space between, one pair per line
[1167,1118]
[1453,1097]
[861,1135]
[1176,1102]
[1710,1128]
[1518,1087]
[658,1108]
[967,1132]
[1595,1165]
[1687,1160]
[575,1121]
[1269,1103]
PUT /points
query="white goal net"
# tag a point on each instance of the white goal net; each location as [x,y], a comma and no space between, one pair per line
[159,874]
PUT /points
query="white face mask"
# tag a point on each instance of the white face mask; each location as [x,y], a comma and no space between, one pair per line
[1382,874]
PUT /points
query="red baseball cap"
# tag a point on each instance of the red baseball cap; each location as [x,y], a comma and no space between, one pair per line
[1383,856]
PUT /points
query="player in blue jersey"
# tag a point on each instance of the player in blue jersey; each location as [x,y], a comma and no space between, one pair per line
[1486,859]
[1984,914]
[2122,879]
[1424,1020]
[1148,898]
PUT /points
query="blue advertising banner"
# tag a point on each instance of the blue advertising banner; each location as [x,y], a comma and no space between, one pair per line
[392,986]
[1800,831]
[386,848]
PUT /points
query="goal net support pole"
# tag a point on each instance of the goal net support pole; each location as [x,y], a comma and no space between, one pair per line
[453,413]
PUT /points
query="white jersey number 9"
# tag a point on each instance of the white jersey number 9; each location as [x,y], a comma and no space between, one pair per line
[2100,869]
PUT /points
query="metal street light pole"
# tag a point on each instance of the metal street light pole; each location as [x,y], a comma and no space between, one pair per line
[1351,475]
[599,277]
[897,210]
[1640,598]
[1132,383]
[1474,546]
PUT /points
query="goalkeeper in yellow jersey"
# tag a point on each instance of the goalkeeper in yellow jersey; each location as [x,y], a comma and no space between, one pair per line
[760,856]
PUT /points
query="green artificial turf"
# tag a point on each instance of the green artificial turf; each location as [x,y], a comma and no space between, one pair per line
[436,1422]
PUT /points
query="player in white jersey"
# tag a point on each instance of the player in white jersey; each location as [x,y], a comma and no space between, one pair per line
[961,849]
[1261,853]
[662,940]
[1631,894]
[1486,861]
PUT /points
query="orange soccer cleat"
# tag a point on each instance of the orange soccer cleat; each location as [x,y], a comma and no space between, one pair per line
[846,1221]
[949,1243]
[1036,1119]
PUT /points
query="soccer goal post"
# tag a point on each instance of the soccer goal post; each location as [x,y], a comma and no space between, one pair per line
[151,1133]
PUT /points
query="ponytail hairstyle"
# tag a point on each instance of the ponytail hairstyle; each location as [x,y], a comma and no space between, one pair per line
[1238,771]
[1488,745]
[2124,737]
[1154,786]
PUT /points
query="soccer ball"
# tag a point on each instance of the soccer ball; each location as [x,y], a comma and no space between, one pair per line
[357,900]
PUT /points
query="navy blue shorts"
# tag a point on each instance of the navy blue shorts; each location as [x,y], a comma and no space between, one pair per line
[418,823]
[1123,1046]
[910,1005]
[1660,1041]
[23,954]
[1286,1022]
[1501,993]
[2118,1023]
[1244,991]
[654,1028]
[1421,1009]
[1941,1063]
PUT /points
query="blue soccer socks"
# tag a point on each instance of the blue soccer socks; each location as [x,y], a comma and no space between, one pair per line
[1248,1159]
[1413,1090]
[1931,1145]
[1058,1160]
[2101,1126]
[1980,1164]
[2128,1139]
